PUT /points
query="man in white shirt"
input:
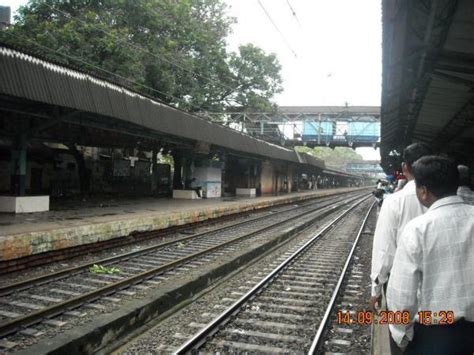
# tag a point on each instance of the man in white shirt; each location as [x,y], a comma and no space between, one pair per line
[433,269]
[464,181]
[397,210]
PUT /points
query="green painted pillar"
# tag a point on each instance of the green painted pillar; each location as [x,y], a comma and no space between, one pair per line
[177,173]
[154,172]
[187,172]
[18,166]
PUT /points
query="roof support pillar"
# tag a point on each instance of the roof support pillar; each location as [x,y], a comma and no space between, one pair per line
[18,165]
[187,172]
[154,170]
[178,158]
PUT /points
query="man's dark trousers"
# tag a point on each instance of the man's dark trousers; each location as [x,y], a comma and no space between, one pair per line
[455,339]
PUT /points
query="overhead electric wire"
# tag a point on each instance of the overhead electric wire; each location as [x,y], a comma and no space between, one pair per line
[293,12]
[276,27]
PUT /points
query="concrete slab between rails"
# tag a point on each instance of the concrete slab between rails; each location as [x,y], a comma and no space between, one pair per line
[105,329]
[27,235]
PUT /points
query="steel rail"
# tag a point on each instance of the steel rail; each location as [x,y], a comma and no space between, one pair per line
[197,340]
[319,334]
[58,275]
[14,325]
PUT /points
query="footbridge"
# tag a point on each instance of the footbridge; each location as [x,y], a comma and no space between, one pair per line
[345,126]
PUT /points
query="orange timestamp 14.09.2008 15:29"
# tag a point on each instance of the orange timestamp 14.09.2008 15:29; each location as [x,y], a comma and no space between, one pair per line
[394,317]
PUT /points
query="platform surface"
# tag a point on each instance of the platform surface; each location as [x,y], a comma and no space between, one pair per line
[33,233]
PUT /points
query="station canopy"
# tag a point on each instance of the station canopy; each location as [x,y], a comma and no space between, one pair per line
[428,78]
[60,104]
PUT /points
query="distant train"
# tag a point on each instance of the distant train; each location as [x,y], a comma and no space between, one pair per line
[327,132]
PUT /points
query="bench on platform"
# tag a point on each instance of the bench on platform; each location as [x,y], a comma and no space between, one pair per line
[24,204]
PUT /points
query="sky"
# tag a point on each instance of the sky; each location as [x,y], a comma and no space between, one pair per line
[330,50]
[337,45]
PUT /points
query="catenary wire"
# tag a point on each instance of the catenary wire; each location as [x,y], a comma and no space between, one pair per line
[276,27]
[293,12]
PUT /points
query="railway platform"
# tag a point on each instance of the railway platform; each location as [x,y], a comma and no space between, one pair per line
[380,340]
[32,234]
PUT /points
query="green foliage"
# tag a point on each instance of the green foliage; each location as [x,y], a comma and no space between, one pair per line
[167,159]
[181,245]
[258,77]
[173,50]
[336,158]
[100,269]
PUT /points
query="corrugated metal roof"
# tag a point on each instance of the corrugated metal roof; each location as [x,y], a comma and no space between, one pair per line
[28,77]
[428,76]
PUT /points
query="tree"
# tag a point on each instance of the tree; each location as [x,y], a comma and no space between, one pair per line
[173,50]
[257,76]
[75,33]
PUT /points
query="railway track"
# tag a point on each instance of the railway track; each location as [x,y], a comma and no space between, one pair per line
[288,310]
[30,302]
[348,329]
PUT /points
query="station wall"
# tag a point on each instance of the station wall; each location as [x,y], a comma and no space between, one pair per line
[44,176]
[266,178]
[55,173]
[59,177]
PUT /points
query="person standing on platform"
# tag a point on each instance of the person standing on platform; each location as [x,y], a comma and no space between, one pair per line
[396,211]
[432,276]
[464,190]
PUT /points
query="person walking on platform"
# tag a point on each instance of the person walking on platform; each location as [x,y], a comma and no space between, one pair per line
[432,277]
[464,190]
[396,211]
